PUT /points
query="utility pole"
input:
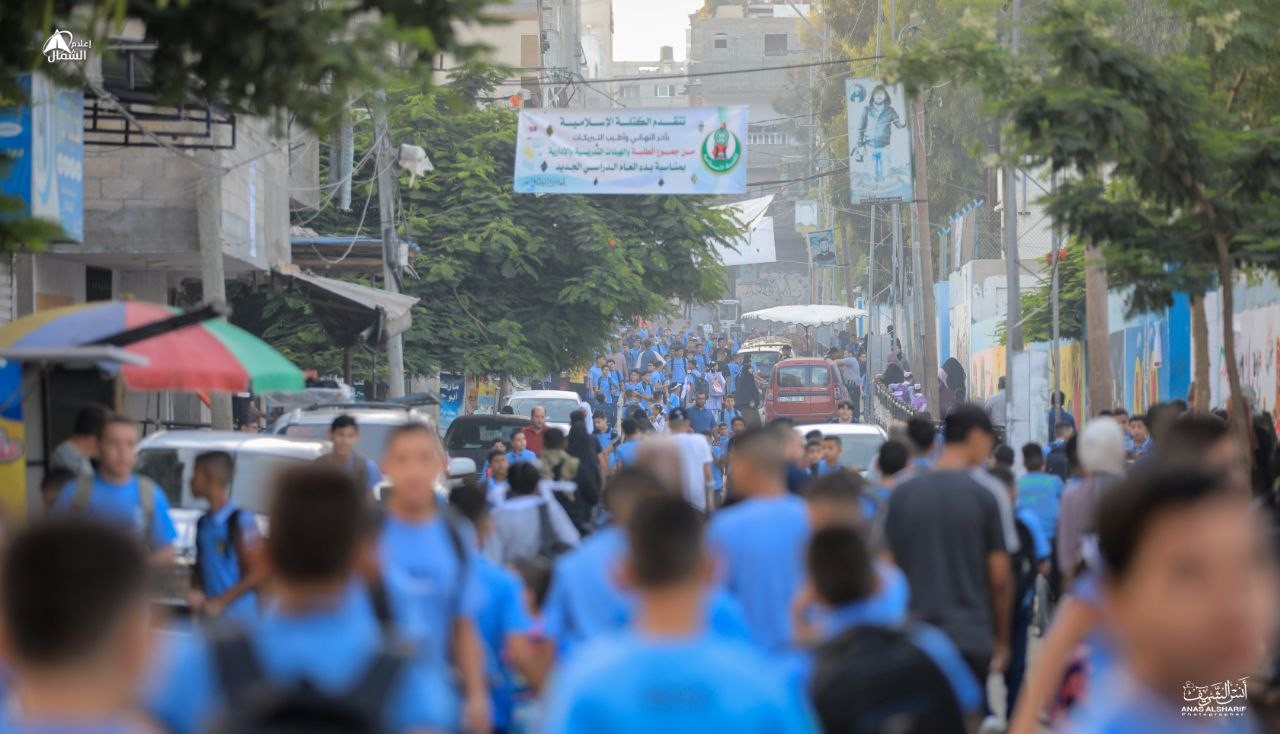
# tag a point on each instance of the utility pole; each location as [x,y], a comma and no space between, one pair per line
[1013,313]
[1053,304]
[387,188]
[924,260]
[213,279]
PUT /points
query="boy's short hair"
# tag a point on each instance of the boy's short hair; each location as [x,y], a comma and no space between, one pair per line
[115,419]
[843,487]
[219,465]
[315,523]
[812,443]
[1126,512]
[495,454]
[65,586]
[470,501]
[762,447]
[963,420]
[814,435]
[921,433]
[833,439]
[519,431]
[844,404]
[632,484]
[343,421]
[1033,456]
[412,428]
[629,427]
[1003,475]
[89,420]
[523,478]
[666,540]
[892,458]
[1003,454]
[554,438]
[839,565]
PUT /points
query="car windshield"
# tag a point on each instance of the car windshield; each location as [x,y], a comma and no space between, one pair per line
[250,484]
[558,409]
[803,376]
[859,452]
[371,444]
[762,362]
[476,434]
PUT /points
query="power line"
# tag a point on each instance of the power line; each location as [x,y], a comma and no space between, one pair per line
[692,75]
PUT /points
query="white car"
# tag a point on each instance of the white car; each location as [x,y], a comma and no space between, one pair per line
[859,442]
[559,404]
[375,421]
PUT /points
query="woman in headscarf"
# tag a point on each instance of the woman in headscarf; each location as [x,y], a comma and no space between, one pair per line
[951,386]
[586,450]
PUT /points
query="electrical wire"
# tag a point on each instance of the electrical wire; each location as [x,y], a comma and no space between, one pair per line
[692,75]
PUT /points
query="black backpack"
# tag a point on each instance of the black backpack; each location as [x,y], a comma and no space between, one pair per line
[875,680]
[1056,462]
[1024,562]
[255,705]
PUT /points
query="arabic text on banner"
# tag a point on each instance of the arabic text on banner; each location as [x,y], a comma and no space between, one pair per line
[879,142]
[700,150]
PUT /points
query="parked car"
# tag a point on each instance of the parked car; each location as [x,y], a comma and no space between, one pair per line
[169,458]
[764,352]
[470,436]
[804,389]
[859,442]
[559,404]
[375,421]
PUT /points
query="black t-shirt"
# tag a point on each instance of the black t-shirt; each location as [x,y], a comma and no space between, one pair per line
[940,528]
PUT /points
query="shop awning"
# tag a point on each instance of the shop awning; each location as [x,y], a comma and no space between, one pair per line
[351,310]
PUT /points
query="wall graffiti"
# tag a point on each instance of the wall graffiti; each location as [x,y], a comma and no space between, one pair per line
[773,289]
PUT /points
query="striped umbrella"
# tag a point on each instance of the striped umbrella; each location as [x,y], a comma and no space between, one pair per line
[212,355]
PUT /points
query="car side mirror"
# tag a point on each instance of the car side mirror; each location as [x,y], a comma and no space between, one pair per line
[462,467]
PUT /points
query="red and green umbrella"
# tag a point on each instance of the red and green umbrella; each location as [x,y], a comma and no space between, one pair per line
[212,355]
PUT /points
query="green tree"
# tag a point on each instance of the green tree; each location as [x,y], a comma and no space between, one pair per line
[1037,306]
[259,57]
[1170,163]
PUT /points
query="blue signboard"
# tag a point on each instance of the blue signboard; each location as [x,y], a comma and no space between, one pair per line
[451,389]
[44,141]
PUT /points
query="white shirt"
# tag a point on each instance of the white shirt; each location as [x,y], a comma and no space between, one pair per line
[695,455]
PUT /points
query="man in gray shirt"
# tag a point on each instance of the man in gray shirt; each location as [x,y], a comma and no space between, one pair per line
[945,531]
[77,453]
[997,405]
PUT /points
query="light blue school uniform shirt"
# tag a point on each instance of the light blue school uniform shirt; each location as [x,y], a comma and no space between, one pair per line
[330,648]
[633,684]
[585,601]
[1041,494]
[887,607]
[502,614]
[10,725]
[120,504]
[218,560]
[526,455]
[625,454]
[761,543]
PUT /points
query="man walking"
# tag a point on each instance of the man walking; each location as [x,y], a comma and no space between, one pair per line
[537,428]
[696,478]
[344,434]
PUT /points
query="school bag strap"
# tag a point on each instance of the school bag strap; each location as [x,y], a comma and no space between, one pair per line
[235,664]
[146,499]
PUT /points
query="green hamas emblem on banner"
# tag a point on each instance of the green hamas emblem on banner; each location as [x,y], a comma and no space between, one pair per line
[721,151]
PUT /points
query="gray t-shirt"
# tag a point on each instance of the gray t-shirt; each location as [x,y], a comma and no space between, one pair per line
[69,457]
[940,528]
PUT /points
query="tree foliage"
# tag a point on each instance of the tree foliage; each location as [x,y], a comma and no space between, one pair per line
[259,57]
[515,283]
[1037,305]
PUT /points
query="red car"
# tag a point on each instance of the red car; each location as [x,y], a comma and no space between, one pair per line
[805,390]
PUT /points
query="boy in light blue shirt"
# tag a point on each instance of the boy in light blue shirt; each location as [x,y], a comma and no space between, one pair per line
[667,674]
[321,632]
[73,610]
[227,571]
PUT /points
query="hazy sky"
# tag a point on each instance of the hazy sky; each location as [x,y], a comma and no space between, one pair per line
[640,27]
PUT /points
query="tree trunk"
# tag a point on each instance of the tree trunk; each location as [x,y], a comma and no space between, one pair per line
[1199,397]
[1240,421]
[1097,333]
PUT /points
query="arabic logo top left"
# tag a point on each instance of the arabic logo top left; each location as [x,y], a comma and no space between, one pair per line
[62,46]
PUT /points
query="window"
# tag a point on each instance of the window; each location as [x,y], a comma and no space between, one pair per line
[775,44]
[664,90]
[767,138]
[721,40]
[804,376]
[630,91]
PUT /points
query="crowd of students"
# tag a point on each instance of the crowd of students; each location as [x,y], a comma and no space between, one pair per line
[800,600]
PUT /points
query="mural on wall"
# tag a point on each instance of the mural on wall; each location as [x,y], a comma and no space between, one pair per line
[985,369]
[773,288]
[1257,345]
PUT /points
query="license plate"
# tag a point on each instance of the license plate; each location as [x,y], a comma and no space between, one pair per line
[791,399]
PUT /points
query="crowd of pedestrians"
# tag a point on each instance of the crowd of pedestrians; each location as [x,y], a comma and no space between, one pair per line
[673,582]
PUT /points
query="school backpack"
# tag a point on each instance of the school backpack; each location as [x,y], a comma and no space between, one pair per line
[1056,462]
[256,705]
[147,488]
[1024,562]
[717,386]
[875,680]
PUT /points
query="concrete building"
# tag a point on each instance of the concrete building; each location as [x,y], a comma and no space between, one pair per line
[652,92]
[733,36]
